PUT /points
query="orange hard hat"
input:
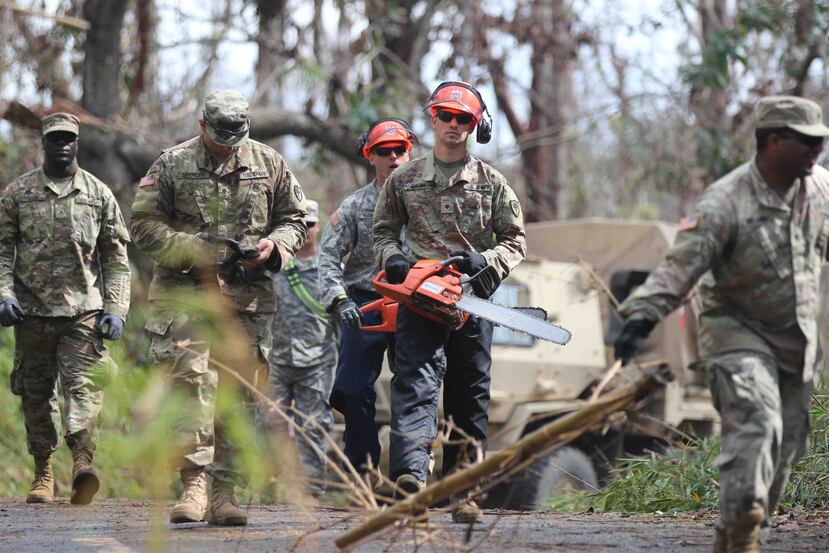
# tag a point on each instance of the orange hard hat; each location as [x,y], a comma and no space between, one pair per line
[387,130]
[456,96]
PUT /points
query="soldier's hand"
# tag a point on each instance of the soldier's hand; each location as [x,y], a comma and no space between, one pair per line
[11,313]
[265,247]
[472,262]
[110,326]
[349,314]
[397,267]
[634,332]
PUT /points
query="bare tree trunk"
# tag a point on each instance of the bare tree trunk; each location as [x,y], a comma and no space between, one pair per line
[102,63]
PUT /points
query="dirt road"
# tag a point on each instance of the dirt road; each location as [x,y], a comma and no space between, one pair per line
[120,526]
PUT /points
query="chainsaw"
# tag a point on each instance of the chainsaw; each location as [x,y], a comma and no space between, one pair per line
[437,291]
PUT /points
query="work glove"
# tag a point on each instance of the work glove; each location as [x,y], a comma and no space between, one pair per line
[110,326]
[348,313]
[397,267]
[11,313]
[471,264]
[634,332]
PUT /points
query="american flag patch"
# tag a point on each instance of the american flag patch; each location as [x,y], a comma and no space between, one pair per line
[147,181]
[335,218]
[688,223]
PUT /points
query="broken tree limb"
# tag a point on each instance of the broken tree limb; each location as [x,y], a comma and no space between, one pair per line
[573,423]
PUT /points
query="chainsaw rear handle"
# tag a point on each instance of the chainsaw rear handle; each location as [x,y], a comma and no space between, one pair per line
[388,315]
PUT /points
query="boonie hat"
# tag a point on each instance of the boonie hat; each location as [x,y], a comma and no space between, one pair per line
[793,112]
[227,117]
[312,211]
[60,122]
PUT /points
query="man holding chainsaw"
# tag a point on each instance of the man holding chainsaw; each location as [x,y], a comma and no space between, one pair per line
[450,203]
[347,270]
[224,212]
[755,242]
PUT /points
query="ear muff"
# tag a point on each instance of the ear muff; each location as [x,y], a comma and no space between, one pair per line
[361,143]
[484,133]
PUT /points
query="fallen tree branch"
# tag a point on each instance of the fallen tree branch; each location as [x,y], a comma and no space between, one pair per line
[506,459]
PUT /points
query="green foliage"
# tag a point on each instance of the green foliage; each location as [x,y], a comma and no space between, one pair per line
[134,456]
[687,480]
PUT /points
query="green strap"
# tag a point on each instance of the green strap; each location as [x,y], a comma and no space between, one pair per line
[302,293]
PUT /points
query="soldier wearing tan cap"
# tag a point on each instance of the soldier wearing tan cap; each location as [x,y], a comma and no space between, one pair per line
[219,184]
[755,243]
[65,286]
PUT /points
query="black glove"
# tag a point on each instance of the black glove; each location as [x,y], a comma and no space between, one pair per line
[397,267]
[471,264]
[110,326]
[474,263]
[634,332]
[11,313]
[348,313]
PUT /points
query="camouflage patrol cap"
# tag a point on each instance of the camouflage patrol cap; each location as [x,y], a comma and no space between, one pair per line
[312,209]
[60,122]
[227,115]
[793,112]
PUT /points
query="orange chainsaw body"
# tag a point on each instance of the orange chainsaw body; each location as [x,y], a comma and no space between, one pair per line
[431,289]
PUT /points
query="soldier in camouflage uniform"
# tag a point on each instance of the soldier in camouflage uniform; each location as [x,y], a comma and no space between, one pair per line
[755,242]
[450,203]
[303,356]
[218,185]
[65,285]
[347,270]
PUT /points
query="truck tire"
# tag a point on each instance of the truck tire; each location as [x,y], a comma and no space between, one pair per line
[561,472]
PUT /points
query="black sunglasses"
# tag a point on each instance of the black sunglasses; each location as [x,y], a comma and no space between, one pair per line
[806,140]
[447,116]
[60,137]
[225,134]
[311,225]
[386,151]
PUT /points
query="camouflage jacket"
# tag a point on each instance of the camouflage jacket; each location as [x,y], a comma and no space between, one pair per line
[63,253]
[759,260]
[303,334]
[251,196]
[476,210]
[349,235]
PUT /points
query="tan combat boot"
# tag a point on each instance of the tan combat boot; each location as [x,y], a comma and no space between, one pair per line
[193,503]
[224,511]
[466,511]
[43,486]
[85,481]
[406,485]
[744,534]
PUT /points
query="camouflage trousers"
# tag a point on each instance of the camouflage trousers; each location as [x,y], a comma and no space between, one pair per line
[306,389]
[63,355]
[765,428]
[202,441]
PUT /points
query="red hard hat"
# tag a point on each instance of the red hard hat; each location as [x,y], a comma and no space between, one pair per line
[456,96]
[388,130]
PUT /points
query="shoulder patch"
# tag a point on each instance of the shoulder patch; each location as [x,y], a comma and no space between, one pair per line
[688,223]
[298,193]
[515,206]
[148,181]
[335,218]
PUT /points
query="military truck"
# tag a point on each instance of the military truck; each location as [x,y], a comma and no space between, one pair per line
[534,381]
